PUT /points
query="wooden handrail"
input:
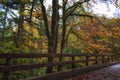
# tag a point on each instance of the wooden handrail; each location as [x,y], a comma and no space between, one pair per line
[7,68]
[14,55]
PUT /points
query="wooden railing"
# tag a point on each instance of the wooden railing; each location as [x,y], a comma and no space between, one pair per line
[6,68]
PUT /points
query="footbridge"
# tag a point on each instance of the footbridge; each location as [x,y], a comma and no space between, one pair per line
[71,66]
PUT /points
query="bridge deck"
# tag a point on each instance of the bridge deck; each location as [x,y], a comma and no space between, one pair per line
[108,73]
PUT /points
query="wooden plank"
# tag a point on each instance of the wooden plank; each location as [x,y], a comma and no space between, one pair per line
[67,74]
[34,66]
[16,55]
[12,55]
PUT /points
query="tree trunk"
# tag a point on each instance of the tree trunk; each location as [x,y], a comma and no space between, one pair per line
[54,32]
[53,35]
[63,31]
[20,25]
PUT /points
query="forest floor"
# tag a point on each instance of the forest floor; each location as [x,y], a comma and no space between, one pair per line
[108,73]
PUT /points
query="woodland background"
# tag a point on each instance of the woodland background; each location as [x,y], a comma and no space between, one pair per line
[29,26]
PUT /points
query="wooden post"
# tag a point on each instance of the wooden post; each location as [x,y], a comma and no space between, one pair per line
[73,64]
[6,73]
[87,60]
[108,57]
[60,66]
[117,58]
[50,68]
[112,58]
[96,59]
[103,61]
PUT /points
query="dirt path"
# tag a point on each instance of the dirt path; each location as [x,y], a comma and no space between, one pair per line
[109,73]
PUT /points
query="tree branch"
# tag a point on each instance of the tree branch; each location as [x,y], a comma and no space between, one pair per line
[82,15]
[68,11]
[76,4]
[45,19]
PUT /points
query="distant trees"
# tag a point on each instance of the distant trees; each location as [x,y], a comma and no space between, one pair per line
[52,23]
[65,26]
[101,35]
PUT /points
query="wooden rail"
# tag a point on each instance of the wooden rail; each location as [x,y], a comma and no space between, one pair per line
[87,58]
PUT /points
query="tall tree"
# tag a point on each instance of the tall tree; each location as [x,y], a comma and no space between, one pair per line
[20,24]
[52,32]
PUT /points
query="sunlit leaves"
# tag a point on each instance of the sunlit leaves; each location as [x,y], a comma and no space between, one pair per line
[31,30]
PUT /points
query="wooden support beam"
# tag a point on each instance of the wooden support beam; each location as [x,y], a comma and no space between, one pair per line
[68,74]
